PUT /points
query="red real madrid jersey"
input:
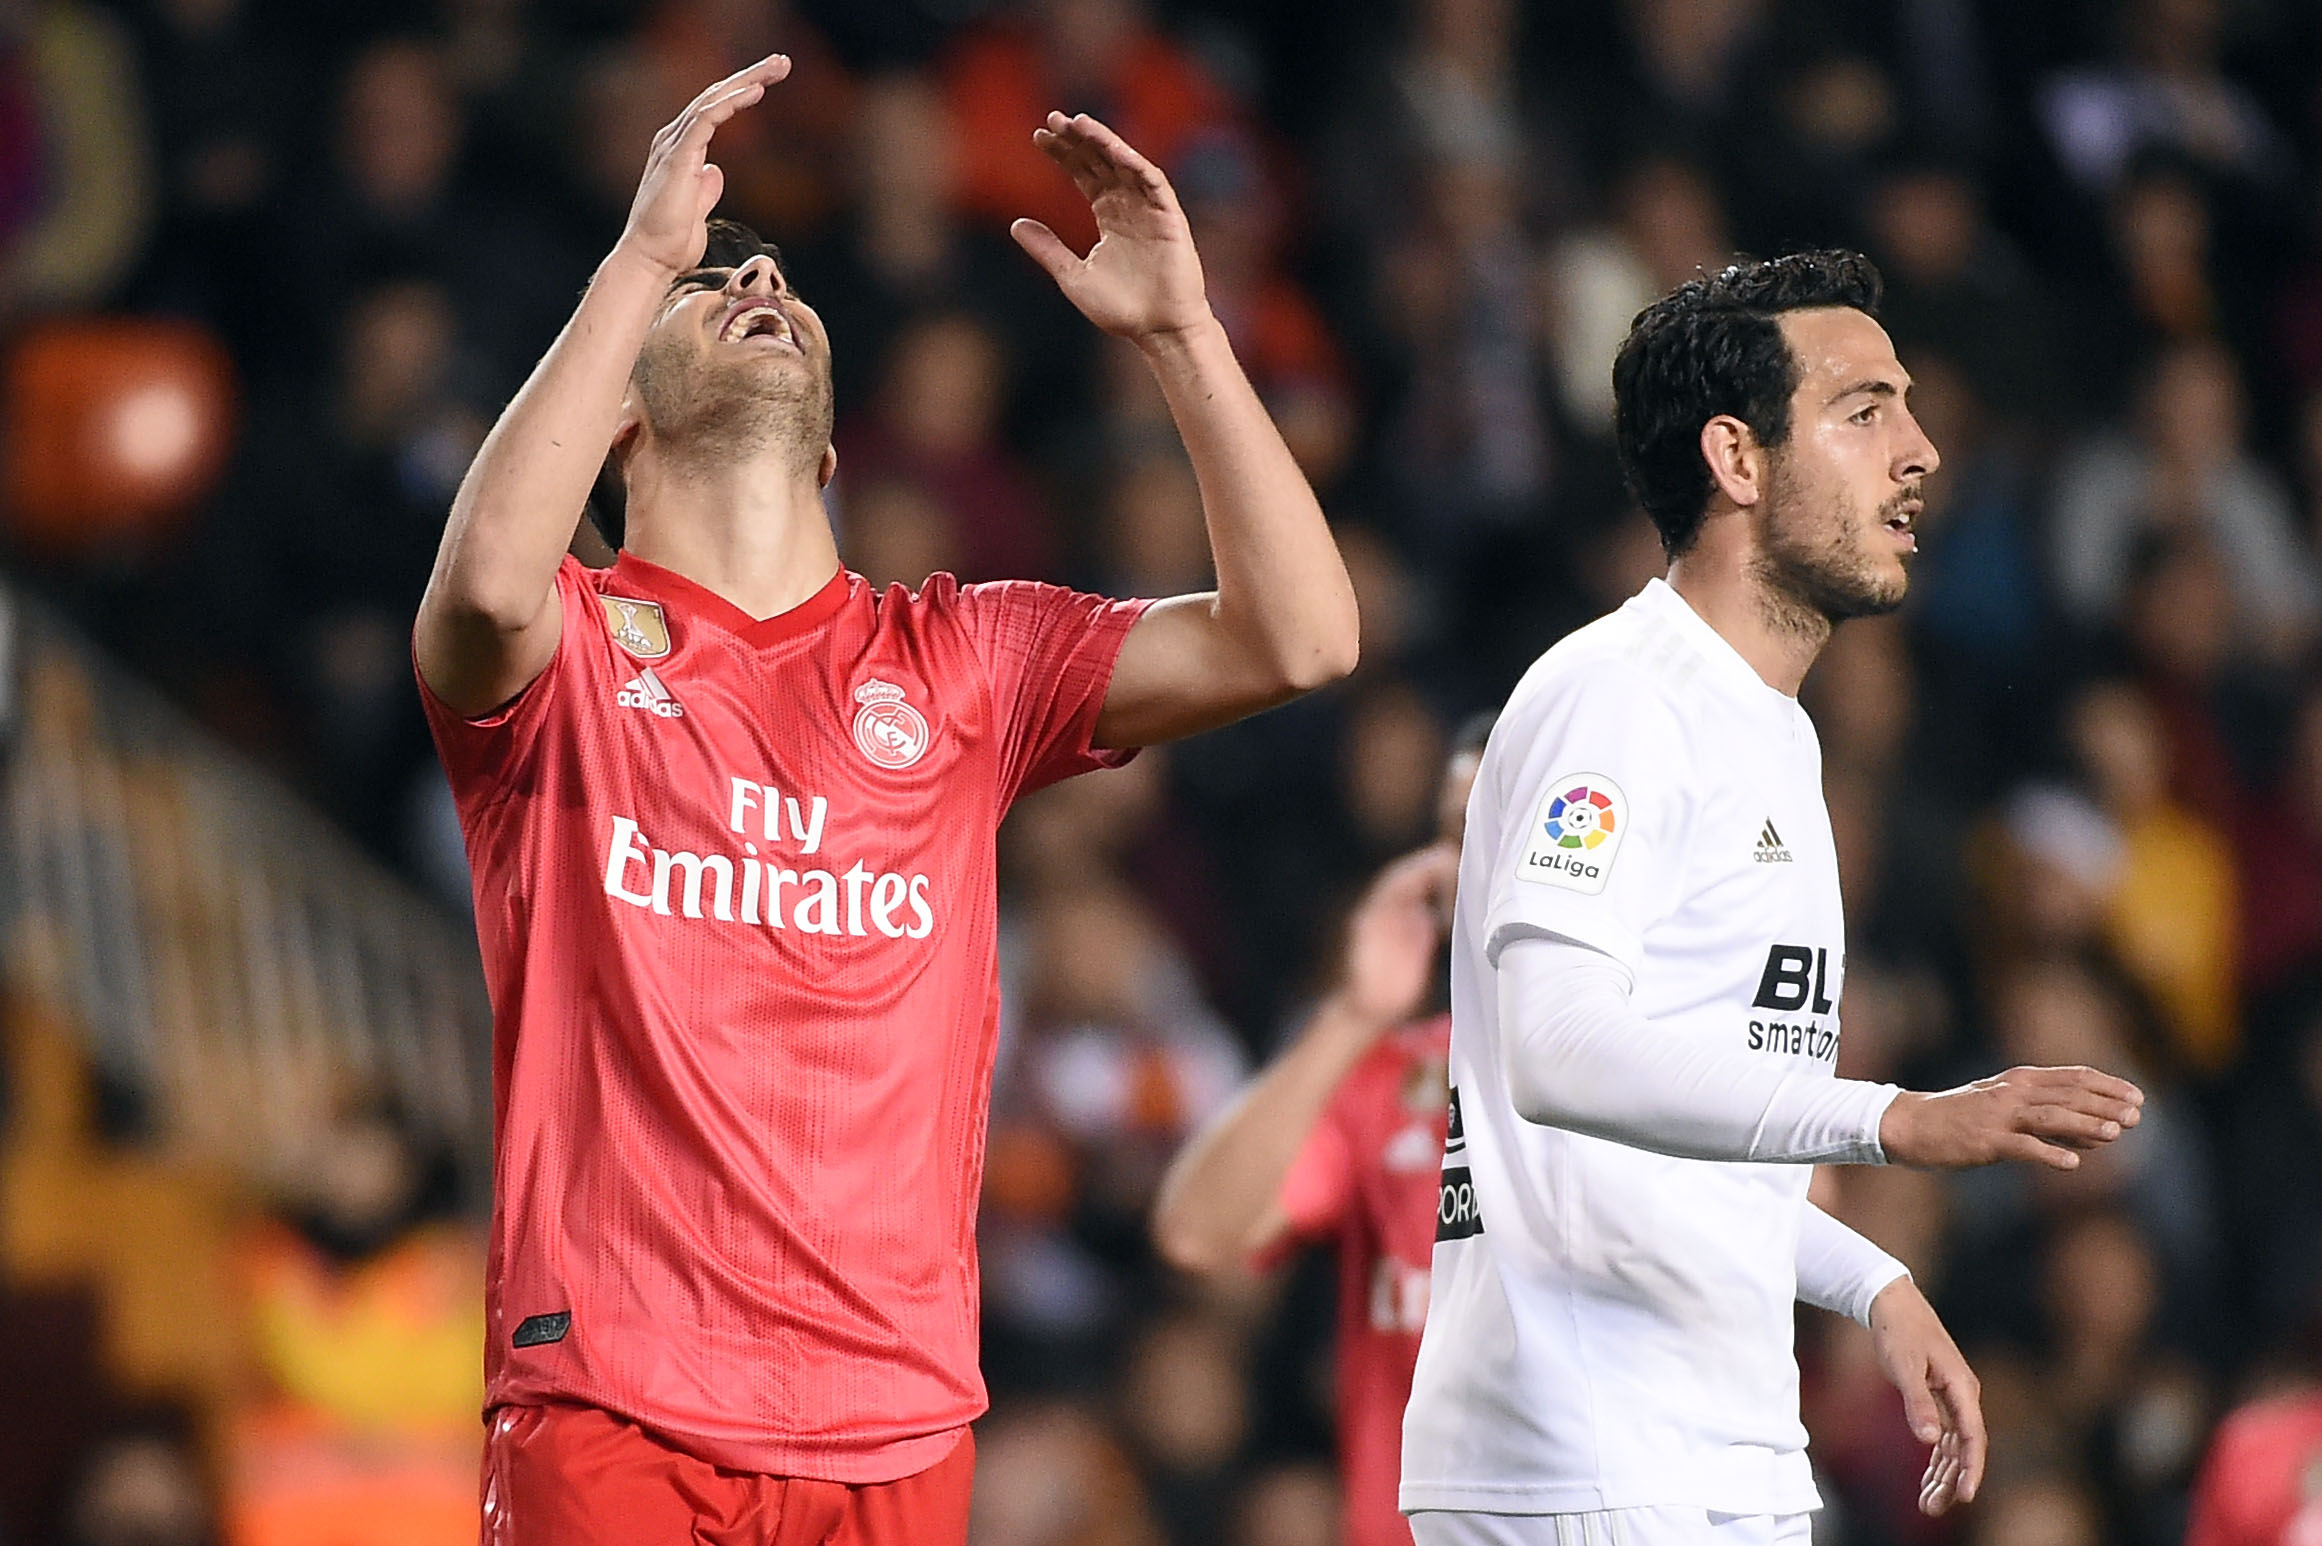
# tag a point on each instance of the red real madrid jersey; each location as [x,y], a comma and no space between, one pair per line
[1370,1176]
[735,891]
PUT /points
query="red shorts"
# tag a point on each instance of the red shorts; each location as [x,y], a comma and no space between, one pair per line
[576,1476]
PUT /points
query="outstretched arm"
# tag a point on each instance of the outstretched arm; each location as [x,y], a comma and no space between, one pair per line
[1221,1202]
[1578,1056]
[1282,619]
[489,621]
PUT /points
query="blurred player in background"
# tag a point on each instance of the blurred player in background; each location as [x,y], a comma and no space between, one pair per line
[1343,1138]
[731,815]
[1646,963]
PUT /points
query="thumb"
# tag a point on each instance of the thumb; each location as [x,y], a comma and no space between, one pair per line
[1046,247]
[1920,1408]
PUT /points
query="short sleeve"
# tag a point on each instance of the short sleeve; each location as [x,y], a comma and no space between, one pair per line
[483,758]
[1593,779]
[1319,1189]
[1048,653]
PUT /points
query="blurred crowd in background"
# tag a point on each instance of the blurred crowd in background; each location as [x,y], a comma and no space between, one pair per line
[2076,784]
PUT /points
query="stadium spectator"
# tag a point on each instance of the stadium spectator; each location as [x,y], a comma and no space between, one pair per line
[2188,468]
[934,426]
[76,169]
[1104,57]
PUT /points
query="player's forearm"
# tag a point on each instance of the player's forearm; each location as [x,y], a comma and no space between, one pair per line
[1220,1202]
[1838,1269]
[1578,1056]
[1282,588]
[514,514]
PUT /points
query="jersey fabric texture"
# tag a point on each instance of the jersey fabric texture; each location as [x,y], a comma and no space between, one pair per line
[577,1476]
[735,890]
[1610,1328]
[1367,1178]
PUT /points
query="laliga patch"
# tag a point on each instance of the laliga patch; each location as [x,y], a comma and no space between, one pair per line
[638,626]
[1575,834]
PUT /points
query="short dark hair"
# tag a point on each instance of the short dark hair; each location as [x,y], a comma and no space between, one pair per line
[1713,346]
[732,244]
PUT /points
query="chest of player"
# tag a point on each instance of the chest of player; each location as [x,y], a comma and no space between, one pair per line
[838,784]
[1755,946]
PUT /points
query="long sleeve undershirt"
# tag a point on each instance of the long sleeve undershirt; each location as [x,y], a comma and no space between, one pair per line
[1839,1270]
[1579,1057]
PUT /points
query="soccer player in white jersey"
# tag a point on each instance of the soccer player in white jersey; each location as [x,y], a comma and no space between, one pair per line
[1646,964]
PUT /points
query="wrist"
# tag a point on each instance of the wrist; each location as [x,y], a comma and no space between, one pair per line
[1342,1018]
[1179,341]
[1897,1296]
[1896,1125]
[627,262]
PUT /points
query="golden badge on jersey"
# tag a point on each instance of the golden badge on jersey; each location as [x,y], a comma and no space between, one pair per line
[888,730]
[638,626]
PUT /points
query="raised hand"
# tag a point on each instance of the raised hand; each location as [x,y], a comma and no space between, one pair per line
[1942,1399]
[1391,940]
[669,220]
[1142,279]
[2044,1116]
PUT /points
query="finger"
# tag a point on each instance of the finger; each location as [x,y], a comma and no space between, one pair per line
[2061,1124]
[1963,1408]
[764,73]
[1920,1409]
[2094,1080]
[2028,1150]
[1095,172]
[689,135]
[1938,1488]
[1046,247]
[1131,162]
[1085,175]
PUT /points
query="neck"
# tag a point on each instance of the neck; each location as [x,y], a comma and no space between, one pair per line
[753,532]
[1775,634]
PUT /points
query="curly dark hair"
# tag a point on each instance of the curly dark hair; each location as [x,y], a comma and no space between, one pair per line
[1713,346]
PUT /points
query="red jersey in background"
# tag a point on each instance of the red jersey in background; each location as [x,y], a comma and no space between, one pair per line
[2262,1482]
[1370,1176]
[735,890]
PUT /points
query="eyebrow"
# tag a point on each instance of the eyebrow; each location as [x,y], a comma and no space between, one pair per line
[1875,387]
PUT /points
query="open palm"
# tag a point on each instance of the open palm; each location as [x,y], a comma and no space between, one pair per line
[1142,278]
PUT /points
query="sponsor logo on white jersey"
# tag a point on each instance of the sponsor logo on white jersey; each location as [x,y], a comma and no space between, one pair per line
[1770,849]
[888,730]
[648,692]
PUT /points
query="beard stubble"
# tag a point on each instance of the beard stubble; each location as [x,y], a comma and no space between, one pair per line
[718,411]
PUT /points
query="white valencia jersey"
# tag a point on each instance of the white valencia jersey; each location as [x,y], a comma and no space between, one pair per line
[1609,1327]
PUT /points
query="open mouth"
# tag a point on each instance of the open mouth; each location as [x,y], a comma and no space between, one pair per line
[1903,522]
[758,319]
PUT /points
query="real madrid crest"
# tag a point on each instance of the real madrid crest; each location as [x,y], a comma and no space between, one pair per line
[888,730]
[638,626]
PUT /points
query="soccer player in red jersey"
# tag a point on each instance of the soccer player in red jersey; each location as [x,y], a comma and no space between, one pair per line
[1342,1138]
[731,815]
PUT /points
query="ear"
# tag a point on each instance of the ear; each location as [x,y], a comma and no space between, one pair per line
[1737,463]
[829,468]
[627,427]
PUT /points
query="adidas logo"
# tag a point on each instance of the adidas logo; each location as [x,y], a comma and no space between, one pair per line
[1770,849]
[646,691]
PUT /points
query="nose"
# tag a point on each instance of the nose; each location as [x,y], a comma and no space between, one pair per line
[1919,457]
[760,274]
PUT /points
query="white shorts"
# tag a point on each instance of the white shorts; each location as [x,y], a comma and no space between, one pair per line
[1612,1527]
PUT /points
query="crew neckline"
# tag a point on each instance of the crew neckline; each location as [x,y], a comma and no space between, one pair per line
[701,604]
[1660,596]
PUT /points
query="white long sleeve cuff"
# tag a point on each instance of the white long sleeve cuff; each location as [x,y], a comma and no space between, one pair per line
[1839,1270]
[1579,1057]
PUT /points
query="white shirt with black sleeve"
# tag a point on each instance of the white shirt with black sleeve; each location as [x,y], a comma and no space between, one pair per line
[1646,961]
